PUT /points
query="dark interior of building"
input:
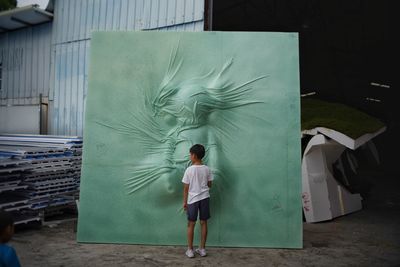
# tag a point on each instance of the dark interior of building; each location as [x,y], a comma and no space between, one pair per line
[347,54]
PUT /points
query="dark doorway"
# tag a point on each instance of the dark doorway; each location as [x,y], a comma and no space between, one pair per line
[347,52]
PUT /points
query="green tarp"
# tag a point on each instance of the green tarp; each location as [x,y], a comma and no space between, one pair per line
[154,94]
[339,117]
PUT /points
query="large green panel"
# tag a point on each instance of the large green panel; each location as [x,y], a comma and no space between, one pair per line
[154,94]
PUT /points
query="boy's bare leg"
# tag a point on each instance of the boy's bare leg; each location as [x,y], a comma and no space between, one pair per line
[203,234]
[190,233]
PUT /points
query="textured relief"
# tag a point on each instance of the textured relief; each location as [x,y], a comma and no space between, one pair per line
[151,96]
[185,106]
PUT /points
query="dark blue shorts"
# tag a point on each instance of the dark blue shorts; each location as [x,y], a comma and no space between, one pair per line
[202,206]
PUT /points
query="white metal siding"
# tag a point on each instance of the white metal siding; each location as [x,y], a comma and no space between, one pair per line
[74,20]
[25,56]
[71,68]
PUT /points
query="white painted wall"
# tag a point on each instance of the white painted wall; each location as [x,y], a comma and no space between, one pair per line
[20,119]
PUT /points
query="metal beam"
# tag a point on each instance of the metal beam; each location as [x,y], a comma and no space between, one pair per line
[4,28]
[45,14]
[21,21]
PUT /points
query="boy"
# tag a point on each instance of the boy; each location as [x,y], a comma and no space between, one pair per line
[8,257]
[196,197]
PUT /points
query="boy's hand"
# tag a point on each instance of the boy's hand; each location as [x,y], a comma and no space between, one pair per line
[185,195]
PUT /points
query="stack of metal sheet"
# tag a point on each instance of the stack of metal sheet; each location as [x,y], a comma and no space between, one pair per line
[39,174]
[13,167]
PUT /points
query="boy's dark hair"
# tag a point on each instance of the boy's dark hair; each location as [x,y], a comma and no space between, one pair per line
[5,220]
[198,150]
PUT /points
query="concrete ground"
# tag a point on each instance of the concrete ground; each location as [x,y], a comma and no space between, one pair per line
[366,238]
[370,237]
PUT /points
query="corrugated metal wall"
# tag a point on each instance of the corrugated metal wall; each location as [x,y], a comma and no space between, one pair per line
[73,22]
[25,57]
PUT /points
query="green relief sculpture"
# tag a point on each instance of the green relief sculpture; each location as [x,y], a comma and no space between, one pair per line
[152,96]
[185,106]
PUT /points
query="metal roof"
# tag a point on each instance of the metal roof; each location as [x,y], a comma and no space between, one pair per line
[21,17]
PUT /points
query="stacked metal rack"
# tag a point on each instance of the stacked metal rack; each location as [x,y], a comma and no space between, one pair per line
[39,175]
[12,172]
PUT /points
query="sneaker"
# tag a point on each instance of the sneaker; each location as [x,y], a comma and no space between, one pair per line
[189,253]
[201,252]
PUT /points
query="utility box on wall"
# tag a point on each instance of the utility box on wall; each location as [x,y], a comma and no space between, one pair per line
[20,119]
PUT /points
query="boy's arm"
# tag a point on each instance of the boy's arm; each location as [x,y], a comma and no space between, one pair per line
[209,178]
[185,195]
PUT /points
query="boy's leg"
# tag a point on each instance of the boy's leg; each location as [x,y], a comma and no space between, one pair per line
[190,233]
[192,213]
[203,233]
[204,216]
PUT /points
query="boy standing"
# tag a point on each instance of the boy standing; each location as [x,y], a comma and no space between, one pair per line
[196,197]
[8,257]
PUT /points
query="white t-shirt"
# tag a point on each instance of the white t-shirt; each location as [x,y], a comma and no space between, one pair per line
[197,176]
